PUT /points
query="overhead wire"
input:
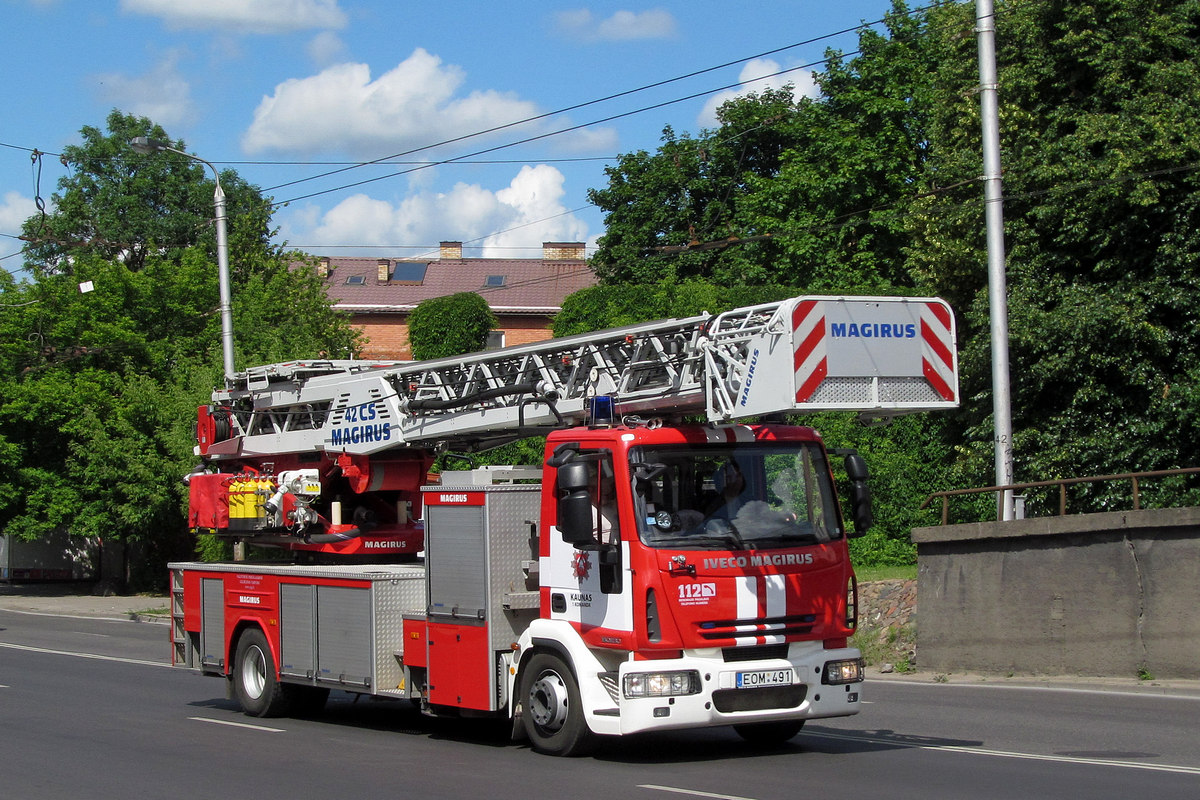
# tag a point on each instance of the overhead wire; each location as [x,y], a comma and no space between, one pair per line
[464,158]
[613,96]
[585,104]
[549,134]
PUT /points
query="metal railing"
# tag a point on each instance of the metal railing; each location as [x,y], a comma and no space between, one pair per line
[1062,484]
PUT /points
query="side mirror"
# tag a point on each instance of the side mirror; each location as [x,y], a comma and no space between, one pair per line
[856,467]
[575,520]
[860,494]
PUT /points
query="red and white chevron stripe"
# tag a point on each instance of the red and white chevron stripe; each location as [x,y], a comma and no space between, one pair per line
[811,356]
[937,349]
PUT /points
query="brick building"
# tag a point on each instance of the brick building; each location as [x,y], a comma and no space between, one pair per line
[523,293]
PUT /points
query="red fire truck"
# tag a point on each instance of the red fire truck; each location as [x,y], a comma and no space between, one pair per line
[652,573]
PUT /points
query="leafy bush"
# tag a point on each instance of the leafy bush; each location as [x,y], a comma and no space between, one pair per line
[450,326]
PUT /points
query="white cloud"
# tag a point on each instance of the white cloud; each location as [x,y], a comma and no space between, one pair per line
[411,105]
[752,80]
[14,210]
[621,26]
[242,16]
[535,199]
[524,214]
[325,48]
[163,95]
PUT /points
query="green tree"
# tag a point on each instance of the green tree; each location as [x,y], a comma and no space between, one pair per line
[450,326]
[99,389]
[119,204]
[1100,141]
[836,206]
[873,187]
[808,193]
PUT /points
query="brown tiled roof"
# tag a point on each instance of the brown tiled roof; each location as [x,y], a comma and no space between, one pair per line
[530,285]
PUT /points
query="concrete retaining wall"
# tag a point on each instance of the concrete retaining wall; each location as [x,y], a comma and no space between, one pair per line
[1092,594]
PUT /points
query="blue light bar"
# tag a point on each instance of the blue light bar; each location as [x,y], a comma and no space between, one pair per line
[602,410]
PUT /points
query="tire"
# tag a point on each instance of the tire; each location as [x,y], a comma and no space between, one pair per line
[769,734]
[255,682]
[552,713]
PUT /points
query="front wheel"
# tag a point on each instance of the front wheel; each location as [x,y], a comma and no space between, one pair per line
[255,682]
[769,734]
[553,713]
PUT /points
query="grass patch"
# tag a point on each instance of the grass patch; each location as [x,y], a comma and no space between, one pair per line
[892,646]
[865,574]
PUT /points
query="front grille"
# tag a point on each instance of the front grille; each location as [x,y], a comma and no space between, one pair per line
[790,625]
[731,654]
[761,699]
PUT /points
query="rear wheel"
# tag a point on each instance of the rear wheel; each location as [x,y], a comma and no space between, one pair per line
[553,713]
[255,682]
[768,734]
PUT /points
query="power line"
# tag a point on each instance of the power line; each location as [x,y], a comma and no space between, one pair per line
[587,103]
[548,135]
[387,160]
[460,159]
[656,84]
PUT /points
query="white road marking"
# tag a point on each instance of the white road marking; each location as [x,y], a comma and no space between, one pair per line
[1149,691]
[232,724]
[692,792]
[95,656]
[121,615]
[983,751]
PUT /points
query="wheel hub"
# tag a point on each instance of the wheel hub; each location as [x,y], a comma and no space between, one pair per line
[254,673]
[548,701]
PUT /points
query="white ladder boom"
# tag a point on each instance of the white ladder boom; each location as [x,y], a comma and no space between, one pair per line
[878,356]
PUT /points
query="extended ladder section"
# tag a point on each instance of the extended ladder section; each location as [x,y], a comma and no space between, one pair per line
[879,356]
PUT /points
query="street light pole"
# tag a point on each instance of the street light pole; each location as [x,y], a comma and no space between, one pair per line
[145,146]
[985,27]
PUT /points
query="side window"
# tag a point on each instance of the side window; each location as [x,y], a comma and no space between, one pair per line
[818,499]
[608,518]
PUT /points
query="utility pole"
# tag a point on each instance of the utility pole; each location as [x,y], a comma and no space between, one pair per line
[145,146]
[993,194]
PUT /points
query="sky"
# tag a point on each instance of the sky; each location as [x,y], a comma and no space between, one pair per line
[487,121]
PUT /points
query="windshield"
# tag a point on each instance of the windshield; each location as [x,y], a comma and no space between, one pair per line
[743,497]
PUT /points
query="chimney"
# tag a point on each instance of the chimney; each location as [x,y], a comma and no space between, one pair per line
[385,270]
[451,251]
[562,251]
[323,267]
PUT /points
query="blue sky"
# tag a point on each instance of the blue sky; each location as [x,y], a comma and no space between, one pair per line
[286,90]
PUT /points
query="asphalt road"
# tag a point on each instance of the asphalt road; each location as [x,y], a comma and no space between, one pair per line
[89,709]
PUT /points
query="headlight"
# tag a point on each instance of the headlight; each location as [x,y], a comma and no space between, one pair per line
[661,684]
[848,671]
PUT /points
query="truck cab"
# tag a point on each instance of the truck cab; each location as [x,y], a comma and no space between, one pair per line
[694,575]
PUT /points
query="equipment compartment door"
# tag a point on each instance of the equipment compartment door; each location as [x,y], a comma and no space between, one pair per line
[212,626]
[461,666]
[345,634]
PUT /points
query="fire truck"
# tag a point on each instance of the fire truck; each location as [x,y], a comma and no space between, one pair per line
[668,565]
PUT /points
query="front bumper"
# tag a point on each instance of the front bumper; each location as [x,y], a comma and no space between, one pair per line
[720,700]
